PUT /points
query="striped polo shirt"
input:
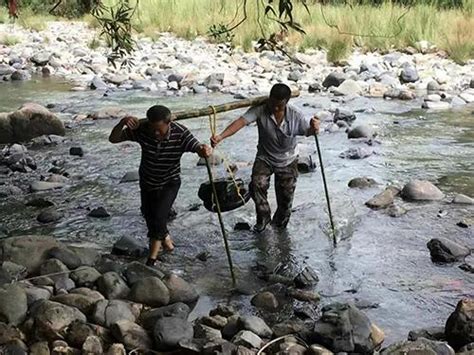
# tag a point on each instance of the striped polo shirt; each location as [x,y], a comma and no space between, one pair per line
[161,158]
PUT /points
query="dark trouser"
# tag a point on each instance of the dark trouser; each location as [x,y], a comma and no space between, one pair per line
[156,206]
[285,184]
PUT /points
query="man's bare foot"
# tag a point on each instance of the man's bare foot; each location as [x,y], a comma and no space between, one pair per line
[168,244]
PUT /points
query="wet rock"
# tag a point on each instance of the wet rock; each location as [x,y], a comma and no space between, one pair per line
[242,226]
[17,272]
[180,290]
[433,333]
[265,300]
[421,190]
[202,331]
[395,211]
[54,266]
[356,153]
[463,199]
[41,58]
[62,348]
[433,86]
[170,331]
[9,333]
[248,339]
[40,348]
[92,294]
[466,222]
[135,271]
[315,87]
[150,291]
[38,186]
[116,79]
[85,276]
[98,84]
[29,121]
[76,151]
[383,199]
[20,75]
[409,74]
[49,215]
[83,303]
[344,115]
[5,277]
[214,81]
[305,296]
[88,256]
[13,304]
[176,310]
[306,164]
[435,105]
[66,256]
[117,349]
[99,212]
[129,246]
[130,176]
[443,250]
[34,294]
[459,328]
[293,326]
[319,350]
[306,278]
[344,328]
[107,312]
[112,286]
[348,88]
[16,347]
[223,310]
[78,332]
[420,346]
[52,318]
[361,131]
[63,284]
[231,328]
[217,322]
[131,335]
[256,325]
[92,345]
[334,79]
[113,113]
[362,183]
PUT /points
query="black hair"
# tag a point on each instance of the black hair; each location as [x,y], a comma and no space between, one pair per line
[280,92]
[159,113]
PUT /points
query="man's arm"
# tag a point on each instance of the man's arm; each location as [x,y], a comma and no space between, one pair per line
[117,135]
[231,129]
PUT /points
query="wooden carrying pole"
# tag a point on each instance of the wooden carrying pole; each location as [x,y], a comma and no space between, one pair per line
[234,105]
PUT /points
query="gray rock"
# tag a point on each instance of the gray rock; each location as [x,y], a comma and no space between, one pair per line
[356,153]
[107,312]
[34,293]
[457,101]
[348,88]
[433,86]
[130,176]
[362,183]
[421,190]
[175,78]
[202,331]
[52,318]
[231,328]
[5,277]
[399,94]
[223,310]
[176,310]
[344,328]
[255,325]
[466,222]
[409,74]
[66,256]
[265,300]
[54,266]
[9,333]
[83,303]
[49,215]
[395,211]
[305,295]
[383,199]
[214,81]
[433,105]
[98,84]
[40,348]
[180,290]
[344,115]
[150,291]
[295,75]
[13,304]
[319,350]
[64,284]
[420,346]
[99,212]
[92,294]
[247,339]
[445,251]
[433,333]
[92,345]
[114,113]
[76,151]
[361,131]
[135,271]
[131,335]
[117,79]
[38,186]
[315,87]
[306,278]
[334,79]
[85,276]
[129,246]
[6,69]
[41,58]
[471,84]
[88,256]
[216,322]
[463,199]
[199,89]
[170,331]
[15,271]
[116,349]
[16,347]
[20,75]
[112,286]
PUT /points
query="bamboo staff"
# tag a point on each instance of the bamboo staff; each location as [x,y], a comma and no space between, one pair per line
[234,105]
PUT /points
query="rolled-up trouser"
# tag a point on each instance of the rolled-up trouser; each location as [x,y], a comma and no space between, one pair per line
[285,184]
[156,206]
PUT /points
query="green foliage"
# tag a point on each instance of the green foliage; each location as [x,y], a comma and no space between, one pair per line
[9,40]
[94,43]
[338,50]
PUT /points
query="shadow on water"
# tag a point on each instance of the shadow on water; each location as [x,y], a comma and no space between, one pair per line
[378,259]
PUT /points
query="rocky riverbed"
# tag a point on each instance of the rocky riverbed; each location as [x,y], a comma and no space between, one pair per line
[72,239]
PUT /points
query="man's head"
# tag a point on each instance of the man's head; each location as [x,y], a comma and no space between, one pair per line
[159,117]
[279,96]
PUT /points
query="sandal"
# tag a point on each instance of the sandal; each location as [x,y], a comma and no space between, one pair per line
[167,244]
[151,262]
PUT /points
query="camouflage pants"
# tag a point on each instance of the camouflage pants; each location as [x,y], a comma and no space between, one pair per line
[285,184]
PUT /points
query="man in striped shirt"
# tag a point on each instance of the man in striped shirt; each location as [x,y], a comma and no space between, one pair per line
[163,142]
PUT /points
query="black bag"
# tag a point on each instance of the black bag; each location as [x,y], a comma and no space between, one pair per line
[227,194]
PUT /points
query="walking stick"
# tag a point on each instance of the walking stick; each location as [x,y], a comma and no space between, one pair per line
[326,190]
[221,222]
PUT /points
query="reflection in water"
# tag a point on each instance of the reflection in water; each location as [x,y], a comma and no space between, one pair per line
[378,260]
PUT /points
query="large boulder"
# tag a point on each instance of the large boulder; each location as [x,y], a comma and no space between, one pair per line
[178,310]
[443,250]
[131,335]
[136,271]
[107,312]
[361,183]
[460,324]
[334,79]
[420,346]
[361,131]
[112,286]
[82,302]
[344,328]
[421,190]
[170,331]
[85,276]
[256,325]
[129,246]
[67,256]
[180,290]
[150,291]
[383,199]
[51,319]
[29,251]
[13,304]
[29,121]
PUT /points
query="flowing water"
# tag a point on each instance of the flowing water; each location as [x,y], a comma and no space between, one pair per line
[379,259]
